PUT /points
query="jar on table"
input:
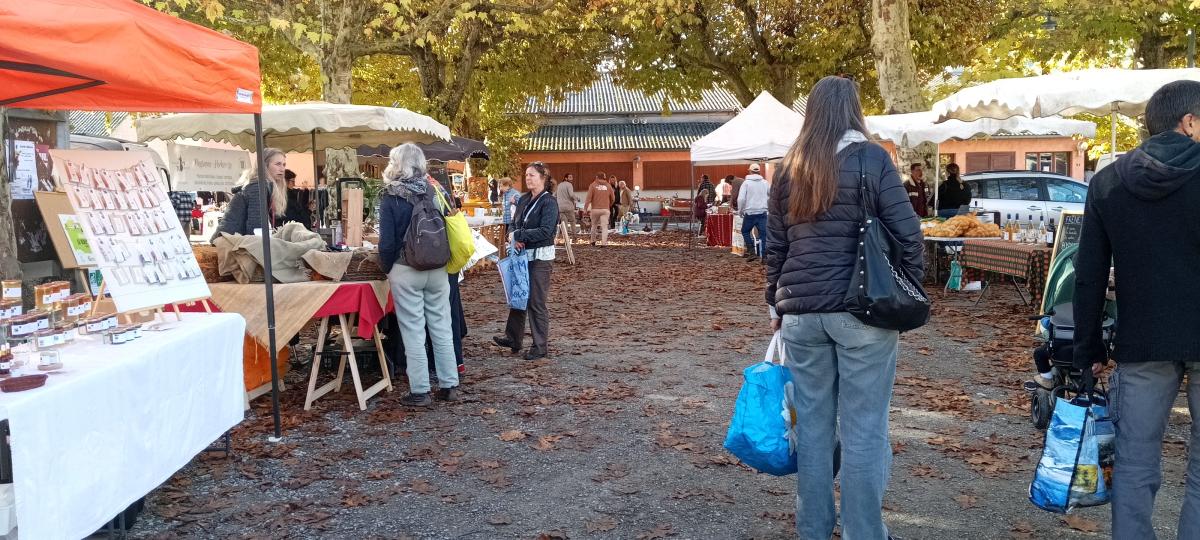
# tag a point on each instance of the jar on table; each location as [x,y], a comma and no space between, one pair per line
[10,289]
[23,326]
[47,343]
[6,359]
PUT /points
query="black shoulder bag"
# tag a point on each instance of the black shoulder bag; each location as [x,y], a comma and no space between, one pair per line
[882,292]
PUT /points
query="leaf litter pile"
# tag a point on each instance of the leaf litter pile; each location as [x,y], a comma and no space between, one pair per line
[618,434]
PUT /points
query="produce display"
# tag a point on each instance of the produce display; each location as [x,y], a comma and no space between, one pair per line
[967,226]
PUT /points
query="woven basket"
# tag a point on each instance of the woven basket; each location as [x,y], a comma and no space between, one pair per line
[364,266]
[206,257]
[22,383]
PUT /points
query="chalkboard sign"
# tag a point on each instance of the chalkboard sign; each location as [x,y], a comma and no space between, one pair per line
[1072,226]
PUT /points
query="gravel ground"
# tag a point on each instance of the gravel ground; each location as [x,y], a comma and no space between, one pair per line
[618,434]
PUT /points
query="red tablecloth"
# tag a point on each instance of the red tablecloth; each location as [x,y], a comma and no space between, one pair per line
[351,297]
[719,229]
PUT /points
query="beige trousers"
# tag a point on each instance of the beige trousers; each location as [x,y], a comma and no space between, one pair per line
[600,221]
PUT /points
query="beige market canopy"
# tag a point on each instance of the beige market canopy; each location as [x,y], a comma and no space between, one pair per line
[1092,91]
[912,129]
[295,128]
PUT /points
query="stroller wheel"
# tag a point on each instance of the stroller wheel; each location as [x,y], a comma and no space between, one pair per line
[1041,408]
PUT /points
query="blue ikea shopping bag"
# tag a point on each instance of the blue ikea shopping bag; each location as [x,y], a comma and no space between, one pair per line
[763,417]
[1076,466]
[514,272]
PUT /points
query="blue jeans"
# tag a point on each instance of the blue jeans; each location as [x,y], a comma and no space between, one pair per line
[1141,399]
[754,221]
[842,372]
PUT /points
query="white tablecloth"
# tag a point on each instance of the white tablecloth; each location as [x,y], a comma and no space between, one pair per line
[119,420]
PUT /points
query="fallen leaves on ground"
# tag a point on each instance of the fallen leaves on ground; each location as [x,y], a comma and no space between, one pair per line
[1081,523]
[500,520]
[512,435]
[603,524]
[658,533]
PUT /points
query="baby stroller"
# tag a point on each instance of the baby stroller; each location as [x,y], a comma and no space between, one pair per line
[1056,328]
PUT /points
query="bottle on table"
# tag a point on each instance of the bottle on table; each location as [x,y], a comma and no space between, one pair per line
[1005,228]
[1050,234]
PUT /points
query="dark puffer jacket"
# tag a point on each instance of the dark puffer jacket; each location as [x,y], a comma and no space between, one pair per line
[535,227]
[809,264]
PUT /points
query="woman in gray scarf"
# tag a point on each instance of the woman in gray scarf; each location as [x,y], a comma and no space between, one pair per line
[422,298]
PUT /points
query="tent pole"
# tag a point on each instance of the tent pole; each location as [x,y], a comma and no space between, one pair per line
[265,197]
[691,201]
[316,185]
[1113,122]
[937,173]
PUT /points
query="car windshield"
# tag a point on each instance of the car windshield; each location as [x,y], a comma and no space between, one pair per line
[1019,189]
[1066,191]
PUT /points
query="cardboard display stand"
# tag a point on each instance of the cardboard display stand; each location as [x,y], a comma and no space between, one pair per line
[131,228]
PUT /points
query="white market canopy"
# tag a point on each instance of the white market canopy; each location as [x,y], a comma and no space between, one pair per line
[294,128]
[1093,91]
[912,129]
[763,131]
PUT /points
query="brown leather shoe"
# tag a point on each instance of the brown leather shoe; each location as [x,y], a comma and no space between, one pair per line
[448,394]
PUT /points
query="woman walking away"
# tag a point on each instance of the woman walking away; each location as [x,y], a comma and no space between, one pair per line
[533,228]
[244,214]
[843,369]
[599,198]
[421,297]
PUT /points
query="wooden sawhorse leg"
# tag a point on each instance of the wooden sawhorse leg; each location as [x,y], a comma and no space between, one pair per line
[349,357]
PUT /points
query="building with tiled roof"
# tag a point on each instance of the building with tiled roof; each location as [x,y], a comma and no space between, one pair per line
[642,138]
[645,138]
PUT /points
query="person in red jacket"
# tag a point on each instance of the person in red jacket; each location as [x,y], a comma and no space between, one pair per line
[918,191]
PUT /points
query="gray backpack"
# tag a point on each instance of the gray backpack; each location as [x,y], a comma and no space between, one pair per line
[426,244]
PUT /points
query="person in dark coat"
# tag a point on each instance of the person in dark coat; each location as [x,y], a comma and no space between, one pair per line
[918,191]
[1140,220]
[842,369]
[953,193]
[297,202]
[706,184]
[244,213]
[534,224]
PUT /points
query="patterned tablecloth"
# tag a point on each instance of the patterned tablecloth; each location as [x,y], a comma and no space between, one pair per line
[1030,262]
[719,230]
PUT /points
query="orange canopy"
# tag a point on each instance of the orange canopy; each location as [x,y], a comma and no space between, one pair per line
[119,55]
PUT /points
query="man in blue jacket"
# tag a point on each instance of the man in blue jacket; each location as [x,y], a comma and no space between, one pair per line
[1140,217]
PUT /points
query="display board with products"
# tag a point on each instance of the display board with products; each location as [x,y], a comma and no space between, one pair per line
[134,233]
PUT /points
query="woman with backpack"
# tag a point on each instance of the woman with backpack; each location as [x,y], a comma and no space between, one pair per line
[842,369]
[421,294]
[534,223]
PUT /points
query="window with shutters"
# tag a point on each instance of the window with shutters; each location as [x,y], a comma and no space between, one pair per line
[990,161]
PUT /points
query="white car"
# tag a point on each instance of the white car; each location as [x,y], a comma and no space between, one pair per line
[1026,194]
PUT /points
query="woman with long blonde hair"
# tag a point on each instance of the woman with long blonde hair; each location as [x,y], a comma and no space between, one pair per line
[244,214]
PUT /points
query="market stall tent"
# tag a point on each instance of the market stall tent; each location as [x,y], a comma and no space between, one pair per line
[1092,91]
[763,131]
[458,149]
[913,129]
[297,127]
[120,55]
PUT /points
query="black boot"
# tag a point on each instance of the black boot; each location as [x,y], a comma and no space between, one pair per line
[505,342]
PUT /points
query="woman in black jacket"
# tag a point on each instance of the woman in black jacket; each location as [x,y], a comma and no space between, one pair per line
[244,213]
[953,193]
[841,368]
[534,223]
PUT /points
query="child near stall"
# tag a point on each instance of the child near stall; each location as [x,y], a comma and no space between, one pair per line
[701,209]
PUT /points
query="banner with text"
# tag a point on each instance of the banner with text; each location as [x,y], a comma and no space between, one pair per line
[197,168]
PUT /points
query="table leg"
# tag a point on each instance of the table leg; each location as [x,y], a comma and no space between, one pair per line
[387,375]
[349,356]
[313,391]
[983,292]
[1019,291]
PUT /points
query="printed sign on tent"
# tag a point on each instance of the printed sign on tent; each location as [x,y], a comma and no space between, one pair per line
[131,227]
[197,168]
